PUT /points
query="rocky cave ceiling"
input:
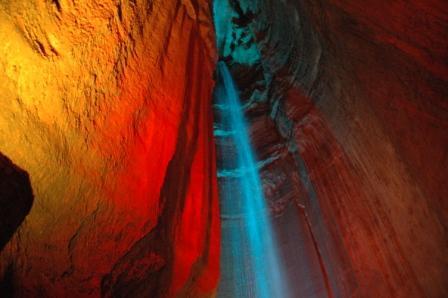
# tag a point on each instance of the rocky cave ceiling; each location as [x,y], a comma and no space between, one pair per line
[109,174]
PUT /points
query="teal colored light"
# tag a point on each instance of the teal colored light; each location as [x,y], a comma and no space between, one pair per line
[254,261]
[231,40]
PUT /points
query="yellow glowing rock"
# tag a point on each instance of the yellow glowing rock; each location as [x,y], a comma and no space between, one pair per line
[92,94]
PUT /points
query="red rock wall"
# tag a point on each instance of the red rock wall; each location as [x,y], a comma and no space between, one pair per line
[357,92]
[107,105]
[381,124]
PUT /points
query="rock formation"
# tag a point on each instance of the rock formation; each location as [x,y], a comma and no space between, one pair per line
[349,98]
[107,105]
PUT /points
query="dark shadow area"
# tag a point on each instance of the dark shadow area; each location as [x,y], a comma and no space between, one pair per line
[7,283]
[16,198]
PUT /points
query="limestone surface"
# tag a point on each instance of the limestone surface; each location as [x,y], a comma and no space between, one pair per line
[106,104]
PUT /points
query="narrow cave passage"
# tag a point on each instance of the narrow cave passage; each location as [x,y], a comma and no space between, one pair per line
[267,248]
[262,255]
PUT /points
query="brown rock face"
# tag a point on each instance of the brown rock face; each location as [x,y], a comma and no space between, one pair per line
[355,93]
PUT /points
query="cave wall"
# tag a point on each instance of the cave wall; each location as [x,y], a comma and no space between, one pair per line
[356,93]
[107,106]
[385,65]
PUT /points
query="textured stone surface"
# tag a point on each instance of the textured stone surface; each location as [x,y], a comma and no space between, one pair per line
[357,93]
[106,104]
[381,95]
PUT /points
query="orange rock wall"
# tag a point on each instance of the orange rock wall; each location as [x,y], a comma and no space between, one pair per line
[107,106]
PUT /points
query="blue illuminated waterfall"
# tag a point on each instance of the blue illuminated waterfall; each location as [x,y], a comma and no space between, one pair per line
[251,264]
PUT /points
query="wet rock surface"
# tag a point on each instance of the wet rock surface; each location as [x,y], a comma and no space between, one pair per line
[356,92]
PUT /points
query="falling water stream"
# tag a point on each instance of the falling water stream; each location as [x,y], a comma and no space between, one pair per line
[251,266]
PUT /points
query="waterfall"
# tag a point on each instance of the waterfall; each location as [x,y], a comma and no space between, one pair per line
[251,263]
